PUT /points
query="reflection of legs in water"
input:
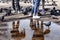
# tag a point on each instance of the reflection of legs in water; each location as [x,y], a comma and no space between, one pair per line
[35,24]
[16,31]
[38,24]
[38,34]
[15,28]
[17,25]
[13,25]
[31,22]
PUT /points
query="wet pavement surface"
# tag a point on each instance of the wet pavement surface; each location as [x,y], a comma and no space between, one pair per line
[24,26]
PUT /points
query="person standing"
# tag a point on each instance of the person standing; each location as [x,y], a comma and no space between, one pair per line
[13,4]
[16,5]
[35,6]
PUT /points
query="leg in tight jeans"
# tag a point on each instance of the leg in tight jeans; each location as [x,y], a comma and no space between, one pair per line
[33,3]
[35,6]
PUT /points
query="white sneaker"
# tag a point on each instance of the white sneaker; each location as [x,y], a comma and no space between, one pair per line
[36,17]
[13,11]
[18,12]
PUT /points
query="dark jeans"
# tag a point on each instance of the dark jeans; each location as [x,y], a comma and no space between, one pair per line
[17,5]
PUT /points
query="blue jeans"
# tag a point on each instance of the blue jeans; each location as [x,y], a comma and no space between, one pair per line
[35,8]
[33,3]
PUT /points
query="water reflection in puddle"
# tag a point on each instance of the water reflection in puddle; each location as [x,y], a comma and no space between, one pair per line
[55,33]
[25,24]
